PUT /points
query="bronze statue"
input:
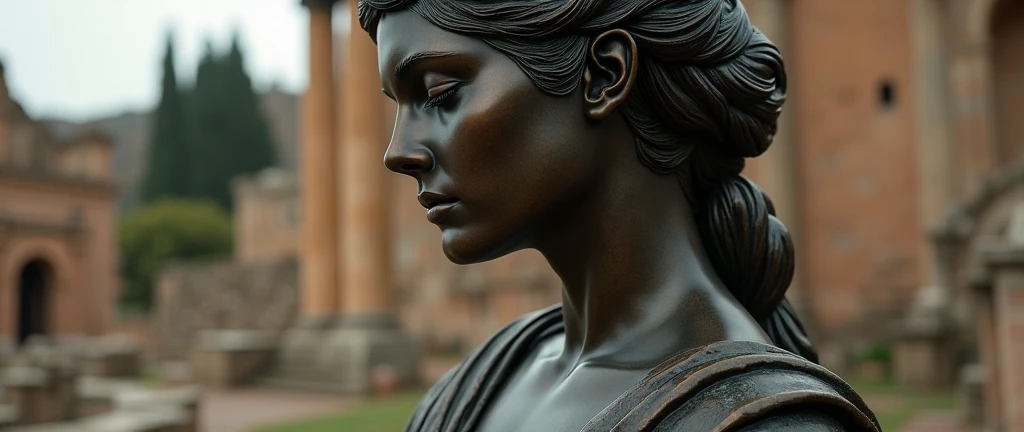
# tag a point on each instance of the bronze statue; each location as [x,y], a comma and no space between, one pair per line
[610,136]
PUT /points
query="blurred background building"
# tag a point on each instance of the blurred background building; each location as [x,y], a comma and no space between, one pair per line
[57,228]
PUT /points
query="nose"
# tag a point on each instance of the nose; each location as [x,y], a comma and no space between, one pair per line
[409,161]
[407,153]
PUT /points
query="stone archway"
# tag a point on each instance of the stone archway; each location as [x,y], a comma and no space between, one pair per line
[34,293]
[977,258]
[968,226]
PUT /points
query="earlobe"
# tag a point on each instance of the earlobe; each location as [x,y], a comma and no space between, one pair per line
[610,72]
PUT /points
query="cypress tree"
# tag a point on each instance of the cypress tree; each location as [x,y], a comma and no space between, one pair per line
[254,142]
[168,160]
[211,127]
[232,136]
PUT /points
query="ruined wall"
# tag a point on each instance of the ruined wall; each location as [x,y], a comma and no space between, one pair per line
[221,295]
[266,216]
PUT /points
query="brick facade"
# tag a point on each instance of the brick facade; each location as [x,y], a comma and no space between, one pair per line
[57,229]
[898,112]
[856,159]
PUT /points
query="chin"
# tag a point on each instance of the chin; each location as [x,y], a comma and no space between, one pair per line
[462,247]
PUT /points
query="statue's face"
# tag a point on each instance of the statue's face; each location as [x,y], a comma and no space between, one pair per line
[496,159]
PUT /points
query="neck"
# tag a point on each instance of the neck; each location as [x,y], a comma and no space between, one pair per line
[638,286]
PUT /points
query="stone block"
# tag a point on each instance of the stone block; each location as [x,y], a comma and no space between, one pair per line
[301,345]
[112,356]
[49,427]
[38,394]
[185,397]
[972,394]
[229,358]
[7,350]
[357,354]
[96,394]
[8,416]
[923,361]
[176,372]
[155,419]
[221,295]
[24,376]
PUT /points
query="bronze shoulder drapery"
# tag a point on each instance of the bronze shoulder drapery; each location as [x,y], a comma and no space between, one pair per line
[723,387]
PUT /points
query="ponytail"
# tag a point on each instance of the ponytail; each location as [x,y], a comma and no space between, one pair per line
[752,254]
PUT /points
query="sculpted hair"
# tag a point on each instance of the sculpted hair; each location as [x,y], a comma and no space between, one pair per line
[708,93]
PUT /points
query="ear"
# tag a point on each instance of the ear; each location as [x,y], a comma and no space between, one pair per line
[610,72]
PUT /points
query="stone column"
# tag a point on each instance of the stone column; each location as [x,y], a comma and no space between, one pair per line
[934,144]
[369,343]
[366,241]
[318,250]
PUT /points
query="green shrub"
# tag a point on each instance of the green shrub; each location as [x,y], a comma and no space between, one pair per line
[168,230]
[879,352]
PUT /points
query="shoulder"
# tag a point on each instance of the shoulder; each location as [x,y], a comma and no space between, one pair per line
[454,398]
[738,386]
[523,332]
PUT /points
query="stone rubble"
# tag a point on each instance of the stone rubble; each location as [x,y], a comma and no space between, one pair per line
[89,386]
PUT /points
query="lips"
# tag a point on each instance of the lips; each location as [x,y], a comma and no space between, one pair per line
[437,205]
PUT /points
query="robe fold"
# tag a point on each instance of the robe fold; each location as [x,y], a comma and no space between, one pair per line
[729,386]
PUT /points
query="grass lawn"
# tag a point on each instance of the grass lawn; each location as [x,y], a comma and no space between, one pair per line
[895,406]
[374,415]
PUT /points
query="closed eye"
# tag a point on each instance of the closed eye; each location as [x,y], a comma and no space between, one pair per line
[438,95]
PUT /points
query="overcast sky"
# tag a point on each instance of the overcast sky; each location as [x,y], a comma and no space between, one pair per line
[81,59]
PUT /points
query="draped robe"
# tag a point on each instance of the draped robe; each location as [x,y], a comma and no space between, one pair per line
[729,386]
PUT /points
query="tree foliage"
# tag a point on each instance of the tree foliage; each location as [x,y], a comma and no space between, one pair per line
[232,134]
[222,132]
[169,230]
[168,161]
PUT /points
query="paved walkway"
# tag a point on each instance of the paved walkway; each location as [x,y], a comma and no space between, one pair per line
[244,410]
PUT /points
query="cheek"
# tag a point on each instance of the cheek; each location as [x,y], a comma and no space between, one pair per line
[518,141]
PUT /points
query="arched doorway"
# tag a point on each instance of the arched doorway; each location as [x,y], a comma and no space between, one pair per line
[34,285]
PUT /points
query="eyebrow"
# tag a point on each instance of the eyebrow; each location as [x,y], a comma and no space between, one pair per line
[403,66]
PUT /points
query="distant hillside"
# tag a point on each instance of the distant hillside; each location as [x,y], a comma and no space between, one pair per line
[130,132]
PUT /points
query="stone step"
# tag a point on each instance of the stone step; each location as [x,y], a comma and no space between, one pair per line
[302,373]
[49,427]
[152,419]
[306,385]
[8,415]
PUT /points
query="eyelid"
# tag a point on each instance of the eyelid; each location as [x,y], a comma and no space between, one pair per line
[435,90]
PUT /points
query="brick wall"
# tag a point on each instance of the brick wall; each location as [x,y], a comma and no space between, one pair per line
[853,115]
